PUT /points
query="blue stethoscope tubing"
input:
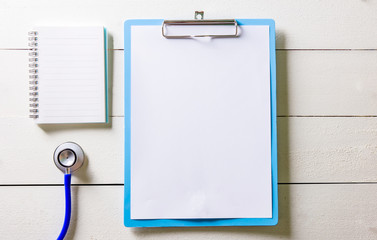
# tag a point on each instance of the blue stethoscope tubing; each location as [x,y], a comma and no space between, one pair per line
[67,218]
[68,157]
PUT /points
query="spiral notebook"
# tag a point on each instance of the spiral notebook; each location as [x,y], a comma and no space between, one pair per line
[68,75]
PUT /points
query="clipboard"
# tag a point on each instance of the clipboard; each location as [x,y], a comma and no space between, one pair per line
[130,132]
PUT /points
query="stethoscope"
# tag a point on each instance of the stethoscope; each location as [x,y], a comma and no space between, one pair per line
[68,157]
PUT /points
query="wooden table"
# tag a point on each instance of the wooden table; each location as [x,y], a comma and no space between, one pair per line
[327,123]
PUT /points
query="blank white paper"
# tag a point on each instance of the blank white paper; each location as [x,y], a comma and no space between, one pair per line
[200,126]
[71,71]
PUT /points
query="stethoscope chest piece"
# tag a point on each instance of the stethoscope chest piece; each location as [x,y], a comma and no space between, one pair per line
[69,157]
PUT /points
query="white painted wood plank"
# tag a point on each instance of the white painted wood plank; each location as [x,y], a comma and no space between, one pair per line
[306,212]
[308,82]
[327,149]
[300,24]
[327,82]
[27,149]
[14,83]
[116,83]
[309,150]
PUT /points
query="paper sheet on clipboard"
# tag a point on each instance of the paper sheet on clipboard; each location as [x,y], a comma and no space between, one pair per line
[200,126]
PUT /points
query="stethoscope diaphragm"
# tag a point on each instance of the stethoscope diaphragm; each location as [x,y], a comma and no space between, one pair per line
[69,157]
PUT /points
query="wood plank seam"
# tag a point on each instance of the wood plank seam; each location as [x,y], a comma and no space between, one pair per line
[122,184]
[278,49]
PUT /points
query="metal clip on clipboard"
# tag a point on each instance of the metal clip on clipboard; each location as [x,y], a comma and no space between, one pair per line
[199,20]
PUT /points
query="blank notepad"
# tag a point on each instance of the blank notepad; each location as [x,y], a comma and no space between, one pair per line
[70,73]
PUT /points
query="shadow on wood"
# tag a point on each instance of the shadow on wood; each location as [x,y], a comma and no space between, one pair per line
[74,207]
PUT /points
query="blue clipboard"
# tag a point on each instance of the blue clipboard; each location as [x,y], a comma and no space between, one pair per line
[128,222]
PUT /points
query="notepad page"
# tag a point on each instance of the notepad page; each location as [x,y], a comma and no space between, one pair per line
[200,127]
[71,72]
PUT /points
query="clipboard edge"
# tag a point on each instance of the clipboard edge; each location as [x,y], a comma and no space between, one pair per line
[128,222]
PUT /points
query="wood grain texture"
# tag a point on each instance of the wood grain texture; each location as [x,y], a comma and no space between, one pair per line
[315,24]
[335,141]
[327,149]
[307,212]
[308,82]
[27,150]
[309,150]
[327,82]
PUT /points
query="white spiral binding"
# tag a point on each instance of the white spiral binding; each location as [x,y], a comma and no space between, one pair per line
[33,77]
